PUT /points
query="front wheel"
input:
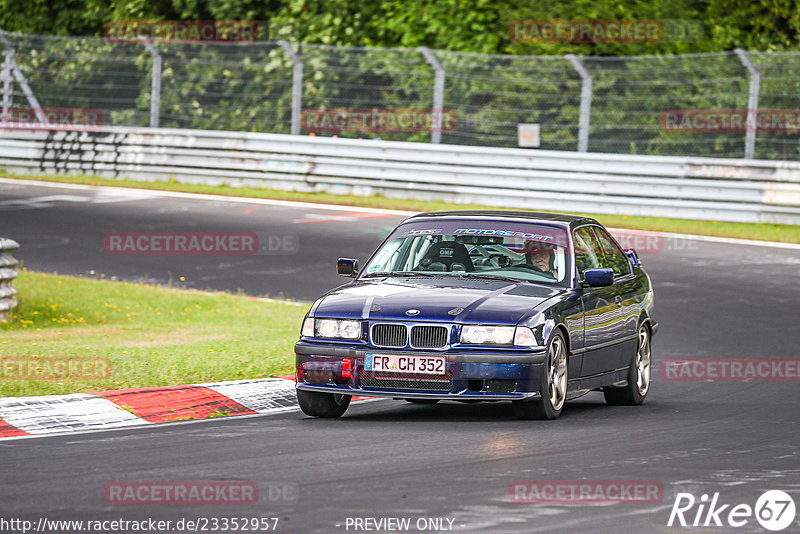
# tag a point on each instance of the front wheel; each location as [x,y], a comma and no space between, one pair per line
[638,375]
[318,404]
[553,391]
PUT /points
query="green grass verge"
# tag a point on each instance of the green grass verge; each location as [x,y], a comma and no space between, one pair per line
[766,232]
[151,335]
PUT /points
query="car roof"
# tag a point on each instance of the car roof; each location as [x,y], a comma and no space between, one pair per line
[530,216]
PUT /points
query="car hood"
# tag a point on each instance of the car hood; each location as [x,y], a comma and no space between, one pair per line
[461,300]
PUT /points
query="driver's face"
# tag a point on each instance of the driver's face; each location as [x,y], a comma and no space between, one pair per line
[541,261]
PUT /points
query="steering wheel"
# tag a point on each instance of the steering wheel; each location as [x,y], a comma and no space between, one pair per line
[534,269]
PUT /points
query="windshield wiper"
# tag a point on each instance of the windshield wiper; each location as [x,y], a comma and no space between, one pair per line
[492,277]
[401,273]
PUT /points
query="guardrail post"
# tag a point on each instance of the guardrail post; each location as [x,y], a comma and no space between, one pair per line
[8,272]
[155,85]
[752,104]
[21,80]
[586,102]
[297,85]
[438,93]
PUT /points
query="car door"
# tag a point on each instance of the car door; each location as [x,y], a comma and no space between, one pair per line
[602,326]
[627,288]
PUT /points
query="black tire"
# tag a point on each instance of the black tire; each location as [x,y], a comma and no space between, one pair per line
[553,390]
[422,401]
[638,385]
[318,404]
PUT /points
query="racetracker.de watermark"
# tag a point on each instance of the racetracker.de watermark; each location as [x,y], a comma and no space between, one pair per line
[66,119]
[586,491]
[199,243]
[181,493]
[730,369]
[54,368]
[184,31]
[210,523]
[604,31]
[646,242]
[377,120]
[730,121]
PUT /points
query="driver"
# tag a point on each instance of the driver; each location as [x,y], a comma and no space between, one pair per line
[541,256]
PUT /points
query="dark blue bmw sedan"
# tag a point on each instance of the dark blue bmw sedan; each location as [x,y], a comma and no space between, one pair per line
[532,308]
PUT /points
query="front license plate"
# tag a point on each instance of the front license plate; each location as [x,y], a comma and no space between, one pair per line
[426,365]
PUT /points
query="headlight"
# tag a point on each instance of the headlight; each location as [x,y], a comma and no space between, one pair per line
[498,335]
[492,335]
[350,329]
[335,328]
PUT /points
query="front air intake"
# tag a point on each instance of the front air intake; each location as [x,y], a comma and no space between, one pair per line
[429,337]
[389,335]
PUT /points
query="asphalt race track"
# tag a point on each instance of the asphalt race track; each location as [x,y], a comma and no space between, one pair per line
[390,459]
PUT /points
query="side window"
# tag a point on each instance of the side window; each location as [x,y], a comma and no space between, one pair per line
[587,250]
[613,256]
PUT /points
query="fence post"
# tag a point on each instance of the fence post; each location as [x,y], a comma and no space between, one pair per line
[21,80]
[752,104]
[297,85]
[155,86]
[586,102]
[438,93]
[8,97]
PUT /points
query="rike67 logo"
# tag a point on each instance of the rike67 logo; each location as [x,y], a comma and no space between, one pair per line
[774,510]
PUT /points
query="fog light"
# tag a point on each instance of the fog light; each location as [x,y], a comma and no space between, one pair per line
[347,366]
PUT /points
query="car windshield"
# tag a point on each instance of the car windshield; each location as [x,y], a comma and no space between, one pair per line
[474,248]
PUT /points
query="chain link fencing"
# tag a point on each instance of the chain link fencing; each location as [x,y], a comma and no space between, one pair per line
[710,104]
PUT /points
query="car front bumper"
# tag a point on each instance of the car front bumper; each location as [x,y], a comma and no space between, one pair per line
[468,376]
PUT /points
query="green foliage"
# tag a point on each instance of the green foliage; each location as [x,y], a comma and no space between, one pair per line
[248,87]
[459,25]
[760,25]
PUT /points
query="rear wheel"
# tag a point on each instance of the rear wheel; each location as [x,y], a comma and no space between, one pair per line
[553,391]
[318,404]
[638,375]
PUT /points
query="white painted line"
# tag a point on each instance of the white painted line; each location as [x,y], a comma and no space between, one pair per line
[203,196]
[337,207]
[279,301]
[250,297]
[24,181]
[712,239]
[40,202]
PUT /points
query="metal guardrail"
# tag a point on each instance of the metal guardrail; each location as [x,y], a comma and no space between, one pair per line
[8,272]
[662,186]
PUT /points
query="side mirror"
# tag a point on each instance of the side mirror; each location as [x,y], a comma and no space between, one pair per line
[598,277]
[347,267]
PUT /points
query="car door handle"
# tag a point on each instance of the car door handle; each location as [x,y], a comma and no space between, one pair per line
[618,300]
